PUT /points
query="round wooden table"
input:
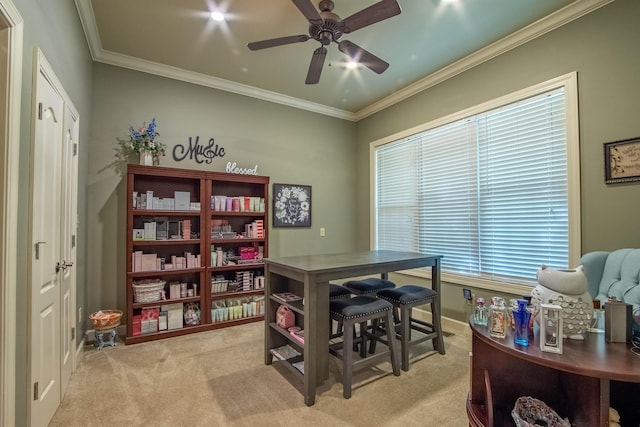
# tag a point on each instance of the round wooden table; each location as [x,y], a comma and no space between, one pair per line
[579,384]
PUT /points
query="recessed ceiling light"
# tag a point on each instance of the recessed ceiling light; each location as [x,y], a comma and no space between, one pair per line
[217,16]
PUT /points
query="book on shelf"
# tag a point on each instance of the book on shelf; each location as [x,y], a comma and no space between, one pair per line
[285,352]
[299,366]
[298,335]
[287,296]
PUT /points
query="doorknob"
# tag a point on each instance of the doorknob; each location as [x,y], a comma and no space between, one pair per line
[60,266]
[63,266]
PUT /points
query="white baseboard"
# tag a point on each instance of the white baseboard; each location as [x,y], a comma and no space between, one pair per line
[448,324]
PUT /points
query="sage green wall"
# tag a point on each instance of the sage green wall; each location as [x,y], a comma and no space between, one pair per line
[288,145]
[603,48]
[54,27]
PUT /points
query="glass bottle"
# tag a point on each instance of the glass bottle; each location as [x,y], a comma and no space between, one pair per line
[497,318]
[521,316]
[480,313]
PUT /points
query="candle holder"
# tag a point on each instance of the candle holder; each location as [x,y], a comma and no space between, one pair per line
[551,328]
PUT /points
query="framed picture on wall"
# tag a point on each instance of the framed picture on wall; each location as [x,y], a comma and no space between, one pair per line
[291,205]
[622,161]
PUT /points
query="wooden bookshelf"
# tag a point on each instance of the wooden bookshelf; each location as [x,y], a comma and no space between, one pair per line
[171,243]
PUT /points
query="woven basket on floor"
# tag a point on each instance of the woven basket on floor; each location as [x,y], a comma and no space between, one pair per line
[105,319]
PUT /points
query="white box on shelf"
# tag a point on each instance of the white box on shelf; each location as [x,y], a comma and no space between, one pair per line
[174,315]
[150,231]
[168,204]
[149,200]
[182,200]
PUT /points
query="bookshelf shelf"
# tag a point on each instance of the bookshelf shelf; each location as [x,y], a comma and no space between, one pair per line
[149,234]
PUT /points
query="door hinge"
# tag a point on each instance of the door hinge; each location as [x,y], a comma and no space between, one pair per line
[35,391]
[39,110]
[73,333]
[75,149]
[73,240]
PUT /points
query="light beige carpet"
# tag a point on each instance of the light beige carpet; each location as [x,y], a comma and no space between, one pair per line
[218,378]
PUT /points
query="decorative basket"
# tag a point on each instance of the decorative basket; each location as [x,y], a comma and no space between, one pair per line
[148,291]
[530,412]
[105,319]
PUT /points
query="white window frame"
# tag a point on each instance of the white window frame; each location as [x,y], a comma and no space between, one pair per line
[569,82]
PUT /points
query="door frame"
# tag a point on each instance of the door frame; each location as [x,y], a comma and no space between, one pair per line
[9,160]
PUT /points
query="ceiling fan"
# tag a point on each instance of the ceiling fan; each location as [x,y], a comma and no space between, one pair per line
[326,27]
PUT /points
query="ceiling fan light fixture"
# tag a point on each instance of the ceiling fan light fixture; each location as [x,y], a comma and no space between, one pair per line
[217,16]
[352,64]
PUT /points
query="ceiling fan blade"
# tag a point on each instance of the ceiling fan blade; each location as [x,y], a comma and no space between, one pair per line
[375,13]
[308,10]
[277,42]
[315,68]
[362,56]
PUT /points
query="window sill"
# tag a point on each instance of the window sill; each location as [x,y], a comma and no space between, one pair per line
[515,288]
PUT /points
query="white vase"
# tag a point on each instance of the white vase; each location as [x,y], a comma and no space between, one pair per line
[146,158]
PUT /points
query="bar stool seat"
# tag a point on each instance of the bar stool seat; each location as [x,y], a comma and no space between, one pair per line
[337,292]
[360,310]
[368,286]
[404,299]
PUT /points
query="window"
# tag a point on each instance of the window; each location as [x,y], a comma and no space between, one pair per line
[494,188]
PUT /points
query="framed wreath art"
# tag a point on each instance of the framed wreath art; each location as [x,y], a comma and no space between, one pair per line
[291,205]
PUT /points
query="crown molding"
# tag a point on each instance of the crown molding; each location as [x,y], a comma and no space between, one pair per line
[175,73]
[543,26]
[549,23]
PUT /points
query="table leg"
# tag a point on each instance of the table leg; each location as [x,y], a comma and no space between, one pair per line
[316,326]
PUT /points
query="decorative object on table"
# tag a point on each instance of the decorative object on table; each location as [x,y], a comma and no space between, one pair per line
[551,328]
[521,315]
[531,412]
[480,313]
[618,321]
[497,318]
[143,141]
[621,161]
[568,289]
[291,205]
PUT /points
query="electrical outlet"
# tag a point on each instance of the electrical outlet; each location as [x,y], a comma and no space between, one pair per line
[468,296]
[322,232]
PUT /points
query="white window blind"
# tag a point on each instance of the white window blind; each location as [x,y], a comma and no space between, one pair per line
[489,191]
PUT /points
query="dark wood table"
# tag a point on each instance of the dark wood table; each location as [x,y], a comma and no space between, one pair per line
[309,276]
[579,384]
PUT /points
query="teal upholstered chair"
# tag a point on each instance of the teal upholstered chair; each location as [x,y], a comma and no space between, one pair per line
[614,274]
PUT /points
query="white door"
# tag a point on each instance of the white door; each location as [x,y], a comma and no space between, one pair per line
[45,316]
[68,227]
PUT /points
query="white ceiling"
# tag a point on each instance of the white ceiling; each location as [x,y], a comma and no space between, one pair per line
[428,42]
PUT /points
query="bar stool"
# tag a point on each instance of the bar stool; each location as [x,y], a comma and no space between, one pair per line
[359,310]
[369,286]
[404,299]
[337,292]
